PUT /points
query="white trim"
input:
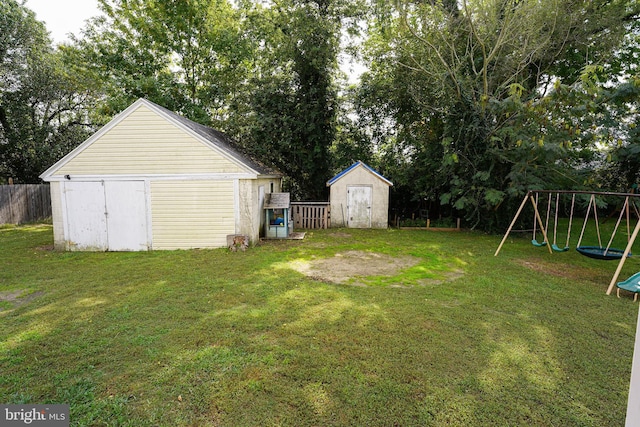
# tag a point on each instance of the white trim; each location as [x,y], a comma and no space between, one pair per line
[236,203]
[156,177]
[633,405]
[147,197]
[65,226]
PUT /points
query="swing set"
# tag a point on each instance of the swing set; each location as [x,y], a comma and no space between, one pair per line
[597,252]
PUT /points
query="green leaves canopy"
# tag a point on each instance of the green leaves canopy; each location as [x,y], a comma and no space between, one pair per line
[42,106]
[478,98]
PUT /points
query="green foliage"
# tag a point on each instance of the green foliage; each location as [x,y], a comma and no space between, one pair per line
[186,56]
[476,96]
[43,108]
[265,73]
[292,99]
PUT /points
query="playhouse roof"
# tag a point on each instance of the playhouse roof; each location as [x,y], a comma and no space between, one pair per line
[210,137]
[276,201]
[354,166]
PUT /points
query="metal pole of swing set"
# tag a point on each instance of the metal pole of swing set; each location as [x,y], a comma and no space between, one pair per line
[515,218]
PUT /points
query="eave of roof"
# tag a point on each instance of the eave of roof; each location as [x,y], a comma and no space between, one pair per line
[352,167]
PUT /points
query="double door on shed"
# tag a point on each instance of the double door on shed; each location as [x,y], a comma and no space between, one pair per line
[106,215]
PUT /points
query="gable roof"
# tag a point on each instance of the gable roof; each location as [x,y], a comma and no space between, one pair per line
[352,167]
[210,137]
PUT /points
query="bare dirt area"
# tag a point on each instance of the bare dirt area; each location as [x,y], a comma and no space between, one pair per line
[17,298]
[347,267]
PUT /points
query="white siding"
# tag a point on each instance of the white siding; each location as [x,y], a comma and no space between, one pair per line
[192,214]
[146,143]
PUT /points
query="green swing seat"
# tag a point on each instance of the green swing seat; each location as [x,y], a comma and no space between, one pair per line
[632,284]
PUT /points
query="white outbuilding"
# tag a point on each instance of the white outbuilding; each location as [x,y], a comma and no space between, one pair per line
[359,198]
[152,179]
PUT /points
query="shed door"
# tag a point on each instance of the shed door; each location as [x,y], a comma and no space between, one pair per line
[126,207]
[104,216]
[359,207]
[86,222]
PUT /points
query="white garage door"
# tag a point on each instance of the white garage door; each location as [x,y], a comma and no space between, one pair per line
[108,215]
[359,206]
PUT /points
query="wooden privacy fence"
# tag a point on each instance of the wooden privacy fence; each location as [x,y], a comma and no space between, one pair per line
[311,215]
[24,203]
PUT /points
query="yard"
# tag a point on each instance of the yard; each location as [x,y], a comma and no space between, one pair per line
[346,327]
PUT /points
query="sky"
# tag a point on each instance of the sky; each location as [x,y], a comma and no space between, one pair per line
[63,16]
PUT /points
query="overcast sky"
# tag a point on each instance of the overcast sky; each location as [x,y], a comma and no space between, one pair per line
[63,16]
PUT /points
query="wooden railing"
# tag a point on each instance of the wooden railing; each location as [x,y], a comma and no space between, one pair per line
[311,215]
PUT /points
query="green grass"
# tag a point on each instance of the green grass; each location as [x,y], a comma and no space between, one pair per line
[210,337]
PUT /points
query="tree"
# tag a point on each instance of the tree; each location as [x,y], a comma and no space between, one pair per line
[291,100]
[189,56]
[42,107]
[487,79]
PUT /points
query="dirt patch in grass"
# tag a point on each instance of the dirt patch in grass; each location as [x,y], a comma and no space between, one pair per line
[566,271]
[347,267]
[14,299]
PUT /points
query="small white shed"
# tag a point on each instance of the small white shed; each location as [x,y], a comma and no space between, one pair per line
[359,198]
[152,179]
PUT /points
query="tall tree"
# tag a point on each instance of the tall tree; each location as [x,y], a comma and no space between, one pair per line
[478,89]
[42,106]
[292,97]
[189,56]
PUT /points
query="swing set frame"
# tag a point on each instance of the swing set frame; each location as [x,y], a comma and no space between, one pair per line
[529,197]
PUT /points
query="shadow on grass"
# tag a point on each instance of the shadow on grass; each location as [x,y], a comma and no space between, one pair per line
[213,338]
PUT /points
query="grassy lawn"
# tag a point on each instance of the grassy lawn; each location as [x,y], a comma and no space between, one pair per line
[210,337]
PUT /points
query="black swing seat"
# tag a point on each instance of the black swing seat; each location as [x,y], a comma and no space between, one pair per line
[598,252]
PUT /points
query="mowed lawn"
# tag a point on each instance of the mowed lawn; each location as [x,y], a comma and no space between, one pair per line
[215,338]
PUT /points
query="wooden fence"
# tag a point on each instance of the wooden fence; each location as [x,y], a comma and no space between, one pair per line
[22,203]
[311,215]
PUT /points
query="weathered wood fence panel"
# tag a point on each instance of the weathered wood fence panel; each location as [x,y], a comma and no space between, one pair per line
[311,215]
[22,203]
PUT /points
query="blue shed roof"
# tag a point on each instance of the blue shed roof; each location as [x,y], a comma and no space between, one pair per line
[352,167]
